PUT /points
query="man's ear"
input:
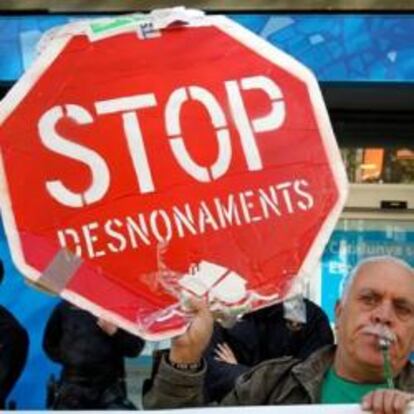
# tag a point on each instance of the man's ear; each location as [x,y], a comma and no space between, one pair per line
[338,312]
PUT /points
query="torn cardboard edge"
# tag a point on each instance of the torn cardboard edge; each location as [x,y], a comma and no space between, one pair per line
[145,25]
[65,265]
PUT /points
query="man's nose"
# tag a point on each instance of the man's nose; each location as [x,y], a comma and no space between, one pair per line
[383,313]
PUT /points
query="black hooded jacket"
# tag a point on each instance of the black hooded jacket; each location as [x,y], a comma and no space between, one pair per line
[73,339]
[14,345]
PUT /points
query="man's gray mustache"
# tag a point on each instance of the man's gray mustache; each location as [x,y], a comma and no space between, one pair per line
[383,332]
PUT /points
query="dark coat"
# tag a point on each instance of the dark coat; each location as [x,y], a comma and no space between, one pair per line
[260,336]
[73,339]
[14,345]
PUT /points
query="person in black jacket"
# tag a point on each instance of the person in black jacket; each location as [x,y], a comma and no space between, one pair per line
[14,345]
[268,333]
[91,352]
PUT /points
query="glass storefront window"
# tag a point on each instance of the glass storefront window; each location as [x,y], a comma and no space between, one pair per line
[356,239]
[379,165]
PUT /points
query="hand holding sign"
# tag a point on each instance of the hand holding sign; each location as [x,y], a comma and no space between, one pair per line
[189,347]
[107,327]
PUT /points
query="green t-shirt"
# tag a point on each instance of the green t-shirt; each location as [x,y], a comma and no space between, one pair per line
[336,390]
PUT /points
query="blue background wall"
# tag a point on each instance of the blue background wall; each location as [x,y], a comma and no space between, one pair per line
[32,309]
[336,47]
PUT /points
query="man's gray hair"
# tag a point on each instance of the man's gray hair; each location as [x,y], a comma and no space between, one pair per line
[354,272]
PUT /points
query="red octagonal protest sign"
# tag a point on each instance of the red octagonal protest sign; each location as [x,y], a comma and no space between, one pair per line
[146,159]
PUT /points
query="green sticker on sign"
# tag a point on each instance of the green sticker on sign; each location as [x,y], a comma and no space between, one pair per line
[103,26]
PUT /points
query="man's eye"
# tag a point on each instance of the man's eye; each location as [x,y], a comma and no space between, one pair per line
[404,310]
[369,299]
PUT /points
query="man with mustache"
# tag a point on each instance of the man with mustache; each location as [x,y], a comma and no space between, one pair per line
[375,317]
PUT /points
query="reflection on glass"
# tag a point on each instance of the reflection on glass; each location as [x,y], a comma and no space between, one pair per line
[379,165]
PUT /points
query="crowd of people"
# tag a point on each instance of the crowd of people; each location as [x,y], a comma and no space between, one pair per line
[282,354]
